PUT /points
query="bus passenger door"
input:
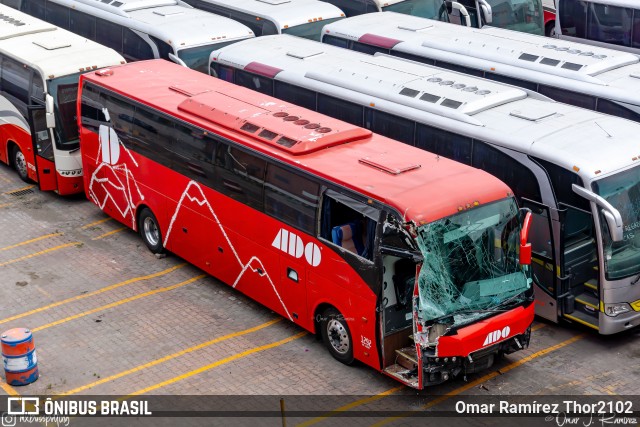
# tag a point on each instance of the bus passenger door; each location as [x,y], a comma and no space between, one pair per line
[42,148]
[543,265]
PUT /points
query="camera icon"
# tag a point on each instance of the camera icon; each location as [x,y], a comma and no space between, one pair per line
[8,420]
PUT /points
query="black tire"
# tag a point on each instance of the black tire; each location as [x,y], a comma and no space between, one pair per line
[550,30]
[336,336]
[150,231]
[20,164]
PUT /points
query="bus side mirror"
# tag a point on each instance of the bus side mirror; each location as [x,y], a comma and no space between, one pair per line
[50,118]
[487,12]
[611,214]
[525,246]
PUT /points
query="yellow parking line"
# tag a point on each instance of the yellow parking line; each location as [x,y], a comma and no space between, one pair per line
[8,389]
[4,205]
[170,357]
[487,377]
[66,245]
[109,233]
[90,294]
[117,303]
[100,221]
[28,187]
[218,363]
[26,242]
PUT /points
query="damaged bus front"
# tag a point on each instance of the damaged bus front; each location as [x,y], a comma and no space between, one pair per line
[471,292]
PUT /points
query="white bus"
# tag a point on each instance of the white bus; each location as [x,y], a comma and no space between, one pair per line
[607,23]
[576,169]
[40,65]
[302,18]
[586,76]
[142,29]
[517,15]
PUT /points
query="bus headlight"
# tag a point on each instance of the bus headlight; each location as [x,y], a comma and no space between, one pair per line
[615,309]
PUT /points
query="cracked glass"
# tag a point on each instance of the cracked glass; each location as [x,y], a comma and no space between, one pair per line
[471,263]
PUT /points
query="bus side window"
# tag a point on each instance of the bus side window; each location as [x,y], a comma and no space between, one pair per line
[253,81]
[109,34]
[150,135]
[335,41]
[291,198]
[135,47]
[569,97]
[511,81]
[459,68]
[269,28]
[91,113]
[635,41]
[618,109]
[194,154]
[573,17]
[83,24]
[303,97]
[34,8]
[164,49]
[340,109]
[223,72]
[37,86]
[411,57]
[240,175]
[367,48]
[447,144]
[609,24]
[389,125]
[15,82]
[57,14]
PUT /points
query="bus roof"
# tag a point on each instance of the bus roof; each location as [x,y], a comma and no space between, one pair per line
[285,13]
[421,185]
[172,21]
[571,65]
[572,137]
[52,51]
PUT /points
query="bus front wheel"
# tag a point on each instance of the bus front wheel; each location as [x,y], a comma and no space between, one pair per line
[20,164]
[150,231]
[336,336]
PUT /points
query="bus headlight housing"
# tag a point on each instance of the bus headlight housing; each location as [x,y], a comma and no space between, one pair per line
[617,308]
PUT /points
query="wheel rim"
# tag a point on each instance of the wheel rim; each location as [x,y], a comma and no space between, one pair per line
[151,232]
[21,164]
[338,336]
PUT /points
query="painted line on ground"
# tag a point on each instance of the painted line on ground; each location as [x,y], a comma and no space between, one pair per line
[170,357]
[8,389]
[119,302]
[4,205]
[218,363]
[487,377]
[26,242]
[91,224]
[109,233]
[90,294]
[66,245]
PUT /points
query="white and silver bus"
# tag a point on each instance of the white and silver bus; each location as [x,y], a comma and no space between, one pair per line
[576,169]
[586,76]
[142,29]
[607,23]
[40,65]
[517,15]
[302,18]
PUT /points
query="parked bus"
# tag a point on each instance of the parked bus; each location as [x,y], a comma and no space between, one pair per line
[577,170]
[517,15]
[39,70]
[607,23]
[142,29]
[590,77]
[321,221]
[302,18]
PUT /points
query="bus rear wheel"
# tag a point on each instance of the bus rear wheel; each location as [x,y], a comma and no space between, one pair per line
[150,231]
[336,336]
[20,164]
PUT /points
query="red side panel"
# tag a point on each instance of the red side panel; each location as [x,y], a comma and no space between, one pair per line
[69,185]
[46,171]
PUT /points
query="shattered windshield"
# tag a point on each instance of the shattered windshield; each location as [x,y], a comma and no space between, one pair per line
[471,262]
[622,190]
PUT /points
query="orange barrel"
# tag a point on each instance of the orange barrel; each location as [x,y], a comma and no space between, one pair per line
[19,356]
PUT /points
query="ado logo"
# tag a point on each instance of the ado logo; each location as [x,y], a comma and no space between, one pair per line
[292,244]
[496,336]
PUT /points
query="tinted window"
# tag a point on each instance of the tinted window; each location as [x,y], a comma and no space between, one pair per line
[223,72]
[447,144]
[269,28]
[517,176]
[335,41]
[15,82]
[568,97]
[609,24]
[34,8]
[164,49]
[193,153]
[135,47]
[389,125]
[366,48]
[291,198]
[413,57]
[636,29]
[573,18]
[618,109]
[342,110]
[57,15]
[253,81]
[91,109]
[83,24]
[562,180]
[240,175]
[109,34]
[511,81]
[37,86]
[151,136]
[459,68]
[296,95]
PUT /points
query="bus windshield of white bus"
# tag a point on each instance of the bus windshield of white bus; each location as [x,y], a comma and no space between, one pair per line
[311,30]
[471,263]
[197,58]
[518,15]
[622,190]
[431,9]
[64,91]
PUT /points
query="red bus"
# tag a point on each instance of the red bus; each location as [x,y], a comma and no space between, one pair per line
[411,263]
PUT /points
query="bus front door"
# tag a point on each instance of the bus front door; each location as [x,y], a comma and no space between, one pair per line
[42,148]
